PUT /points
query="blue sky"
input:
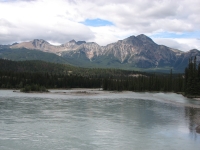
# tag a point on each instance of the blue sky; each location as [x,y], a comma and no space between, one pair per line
[194,34]
[174,23]
[97,22]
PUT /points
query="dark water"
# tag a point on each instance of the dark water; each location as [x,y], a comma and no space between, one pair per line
[104,121]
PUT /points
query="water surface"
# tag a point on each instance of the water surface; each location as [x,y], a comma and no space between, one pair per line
[98,121]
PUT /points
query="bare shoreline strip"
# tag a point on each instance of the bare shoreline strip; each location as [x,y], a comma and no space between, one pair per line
[137,95]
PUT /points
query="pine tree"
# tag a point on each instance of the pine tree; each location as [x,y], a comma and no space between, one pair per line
[192,78]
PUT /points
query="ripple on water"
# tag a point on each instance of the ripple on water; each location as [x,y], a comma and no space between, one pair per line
[103,121]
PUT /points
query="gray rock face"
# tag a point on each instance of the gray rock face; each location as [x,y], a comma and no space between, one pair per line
[140,51]
[80,42]
[136,51]
[40,44]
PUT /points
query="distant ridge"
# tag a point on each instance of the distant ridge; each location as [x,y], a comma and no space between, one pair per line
[134,52]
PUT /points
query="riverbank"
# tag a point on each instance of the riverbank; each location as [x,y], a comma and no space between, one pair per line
[196,99]
[99,91]
[89,91]
[171,98]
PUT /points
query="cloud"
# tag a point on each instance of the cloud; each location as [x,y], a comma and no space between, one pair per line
[183,44]
[54,31]
[62,20]
[30,21]
[109,34]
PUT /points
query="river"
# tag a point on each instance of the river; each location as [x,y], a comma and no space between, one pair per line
[97,120]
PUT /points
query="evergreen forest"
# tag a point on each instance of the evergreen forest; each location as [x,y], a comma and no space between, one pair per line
[40,75]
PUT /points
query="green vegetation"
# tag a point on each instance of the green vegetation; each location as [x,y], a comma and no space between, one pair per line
[36,75]
[22,54]
[34,66]
[109,62]
[188,83]
[153,82]
[192,79]
[22,79]
[33,88]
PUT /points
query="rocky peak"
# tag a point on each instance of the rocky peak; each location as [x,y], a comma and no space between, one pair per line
[91,45]
[194,51]
[145,39]
[15,43]
[132,40]
[72,41]
[39,42]
[137,51]
[80,42]
[91,49]
[70,45]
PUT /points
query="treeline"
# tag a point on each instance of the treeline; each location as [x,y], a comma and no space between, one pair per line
[187,83]
[166,83]
[108,79]
[21,79]
[138,82]
[192,78]
[38,66]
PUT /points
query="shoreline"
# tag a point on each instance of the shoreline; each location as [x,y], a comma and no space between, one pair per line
[94,91]
[164,97]
[198,99]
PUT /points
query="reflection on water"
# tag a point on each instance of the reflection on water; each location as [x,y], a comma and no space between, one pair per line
[102,121]
[193,114]
[198,129]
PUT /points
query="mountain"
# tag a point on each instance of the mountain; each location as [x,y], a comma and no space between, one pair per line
[42,45]
[37,44]
[183,58]
[142,52]
[27,54]
[135,52]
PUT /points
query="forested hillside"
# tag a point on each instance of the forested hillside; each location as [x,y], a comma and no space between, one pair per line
[55,68]
[21,74]
[17,74]
[21,54]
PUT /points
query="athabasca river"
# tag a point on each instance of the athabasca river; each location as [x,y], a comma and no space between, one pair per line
[96,120]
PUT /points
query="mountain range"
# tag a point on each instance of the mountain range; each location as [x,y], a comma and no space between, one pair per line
[135,52]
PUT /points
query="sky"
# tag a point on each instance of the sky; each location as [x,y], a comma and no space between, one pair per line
[174,23]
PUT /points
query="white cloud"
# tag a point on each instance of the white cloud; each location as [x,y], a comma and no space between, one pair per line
[59,20]
[183,44]
[37,19]
[109,34]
